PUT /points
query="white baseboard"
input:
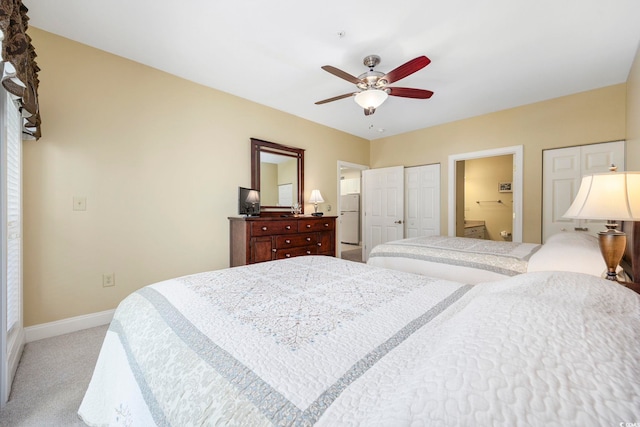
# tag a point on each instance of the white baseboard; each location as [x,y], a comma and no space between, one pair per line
[66,326]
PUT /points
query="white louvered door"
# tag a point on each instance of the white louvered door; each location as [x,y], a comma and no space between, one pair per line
[11,190]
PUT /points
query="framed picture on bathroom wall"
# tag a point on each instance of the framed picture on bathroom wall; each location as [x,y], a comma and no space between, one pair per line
[504,187]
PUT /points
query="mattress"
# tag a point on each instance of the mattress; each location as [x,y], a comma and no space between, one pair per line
[322,341]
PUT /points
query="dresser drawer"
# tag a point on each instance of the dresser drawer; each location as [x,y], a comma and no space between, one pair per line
[315,225]
[269,228]
[306,239]
[293,252]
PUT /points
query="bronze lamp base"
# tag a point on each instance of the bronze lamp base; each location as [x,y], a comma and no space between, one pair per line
[612,245]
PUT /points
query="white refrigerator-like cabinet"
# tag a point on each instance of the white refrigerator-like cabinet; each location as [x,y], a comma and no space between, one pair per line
[350,219]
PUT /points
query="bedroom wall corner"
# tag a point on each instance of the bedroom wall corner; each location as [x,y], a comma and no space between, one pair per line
[159,160]
[633,115]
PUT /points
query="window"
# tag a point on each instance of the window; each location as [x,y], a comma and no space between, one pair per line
[11,231]
[13,213]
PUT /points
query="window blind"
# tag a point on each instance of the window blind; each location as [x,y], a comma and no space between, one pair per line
[14,213]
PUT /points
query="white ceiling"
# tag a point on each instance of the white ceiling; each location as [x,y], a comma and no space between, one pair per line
[487,55]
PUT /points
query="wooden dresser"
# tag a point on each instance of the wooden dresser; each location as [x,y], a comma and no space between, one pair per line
[259,239]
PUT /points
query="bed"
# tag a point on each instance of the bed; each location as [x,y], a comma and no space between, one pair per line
[476,260]
[322,341]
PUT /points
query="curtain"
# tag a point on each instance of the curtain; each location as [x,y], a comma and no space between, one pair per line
[20,75]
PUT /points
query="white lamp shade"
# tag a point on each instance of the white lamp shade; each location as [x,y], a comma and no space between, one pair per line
[316,197]
[372,98]
[253,197]
[607,196]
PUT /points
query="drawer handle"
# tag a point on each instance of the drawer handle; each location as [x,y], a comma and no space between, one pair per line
[288,227]
[326,225]
[264,228]
[308,252]
[288,255]
[308,225]
[308,239]
[273,250]
[319,244]
[287,241]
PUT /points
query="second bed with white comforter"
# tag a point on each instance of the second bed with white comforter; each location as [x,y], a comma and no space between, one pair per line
[474,261]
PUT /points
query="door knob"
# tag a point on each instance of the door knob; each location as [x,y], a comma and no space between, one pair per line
[398,221]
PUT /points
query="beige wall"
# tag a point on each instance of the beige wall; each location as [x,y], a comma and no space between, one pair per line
[288,174]
[269,184]
[633,115]
[481,178]
[159,160]
[584,118]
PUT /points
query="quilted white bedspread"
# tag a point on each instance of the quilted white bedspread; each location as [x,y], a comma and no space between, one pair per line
[478,255]
[322,341]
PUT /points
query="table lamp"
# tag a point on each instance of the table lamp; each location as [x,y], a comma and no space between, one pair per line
[609,196]
[253,198]
[316,198]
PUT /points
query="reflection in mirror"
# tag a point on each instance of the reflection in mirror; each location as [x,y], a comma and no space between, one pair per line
[278,179]
[278,172]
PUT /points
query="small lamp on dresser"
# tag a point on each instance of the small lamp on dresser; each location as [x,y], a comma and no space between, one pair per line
[253,198]
[316,198]
[609,196]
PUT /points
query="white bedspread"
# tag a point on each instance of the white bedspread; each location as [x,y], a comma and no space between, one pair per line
[455,258]
[318,340]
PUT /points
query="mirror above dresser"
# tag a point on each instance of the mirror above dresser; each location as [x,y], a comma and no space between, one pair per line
[277,171]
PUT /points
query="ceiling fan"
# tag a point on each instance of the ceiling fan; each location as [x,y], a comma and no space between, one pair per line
[373,84]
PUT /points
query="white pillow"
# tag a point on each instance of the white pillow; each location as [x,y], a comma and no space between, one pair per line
[569,251]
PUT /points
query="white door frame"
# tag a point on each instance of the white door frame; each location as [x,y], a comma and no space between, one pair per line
[343,164]
[517,185]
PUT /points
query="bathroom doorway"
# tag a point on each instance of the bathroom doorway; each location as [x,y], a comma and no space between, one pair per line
[485,199]
[513,191]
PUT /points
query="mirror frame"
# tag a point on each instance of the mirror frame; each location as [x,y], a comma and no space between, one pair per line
[258,146]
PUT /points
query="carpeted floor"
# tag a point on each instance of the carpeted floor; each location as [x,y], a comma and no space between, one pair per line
[51,379]
[352,255]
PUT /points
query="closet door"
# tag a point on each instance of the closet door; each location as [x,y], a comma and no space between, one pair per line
[422,200]
[562,171]
[383,201]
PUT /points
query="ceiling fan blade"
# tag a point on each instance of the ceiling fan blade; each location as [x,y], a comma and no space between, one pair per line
[335,98]
[406,92]
[406,69]
[342,74]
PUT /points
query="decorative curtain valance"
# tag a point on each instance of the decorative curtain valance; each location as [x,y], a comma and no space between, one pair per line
[20,74]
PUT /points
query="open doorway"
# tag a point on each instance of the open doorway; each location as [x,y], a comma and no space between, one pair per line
[349,233]
[456,189]
[484,205]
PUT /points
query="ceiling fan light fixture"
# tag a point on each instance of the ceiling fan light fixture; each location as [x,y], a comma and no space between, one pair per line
[372,98]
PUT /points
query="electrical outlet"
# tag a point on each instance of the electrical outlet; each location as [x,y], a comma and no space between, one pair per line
[108,279]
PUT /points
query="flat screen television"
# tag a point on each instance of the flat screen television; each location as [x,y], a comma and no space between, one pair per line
[248,201]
